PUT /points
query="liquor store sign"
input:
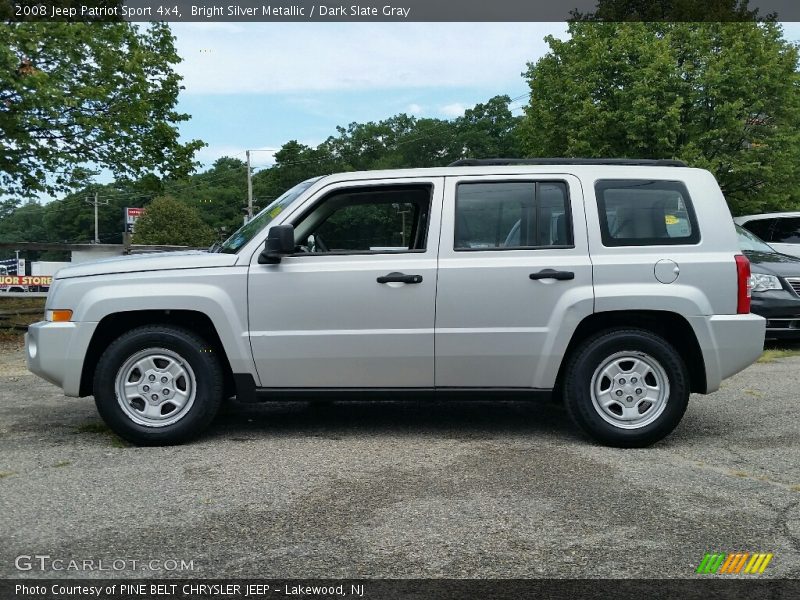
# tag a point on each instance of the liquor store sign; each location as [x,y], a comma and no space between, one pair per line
[6,280]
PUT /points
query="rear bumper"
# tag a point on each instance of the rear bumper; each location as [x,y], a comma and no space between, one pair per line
[729,343]
[55,352]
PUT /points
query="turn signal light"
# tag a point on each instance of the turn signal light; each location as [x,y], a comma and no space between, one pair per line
[58,315]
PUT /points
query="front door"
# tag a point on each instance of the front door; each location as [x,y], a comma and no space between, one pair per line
[354,306]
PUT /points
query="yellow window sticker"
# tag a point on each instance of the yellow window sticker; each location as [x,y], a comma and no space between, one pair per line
[671,219]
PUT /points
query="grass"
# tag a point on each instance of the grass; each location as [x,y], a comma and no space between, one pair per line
[15,303]
[100,428]
[62,463]
[773,354]
[95,427]
[4,474]
[13,326]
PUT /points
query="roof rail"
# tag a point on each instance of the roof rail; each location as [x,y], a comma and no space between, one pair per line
[631,162]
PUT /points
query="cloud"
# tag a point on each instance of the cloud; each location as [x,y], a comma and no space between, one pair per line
[280,58]
[263,157]
[414,109]
[456,109]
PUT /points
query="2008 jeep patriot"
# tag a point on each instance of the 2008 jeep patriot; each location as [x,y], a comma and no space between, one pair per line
[616,284]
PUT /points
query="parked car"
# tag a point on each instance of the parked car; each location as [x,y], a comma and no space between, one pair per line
[775,281]
[617,285]
[779,230]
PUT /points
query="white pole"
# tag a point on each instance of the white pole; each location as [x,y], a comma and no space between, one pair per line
[96,222]
[249,189]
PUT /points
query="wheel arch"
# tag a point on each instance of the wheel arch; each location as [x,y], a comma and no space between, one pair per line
[114,325]
[671,326]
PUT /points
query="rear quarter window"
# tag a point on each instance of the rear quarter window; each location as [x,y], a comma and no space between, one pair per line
[761,227]
[786,230]
[637,212]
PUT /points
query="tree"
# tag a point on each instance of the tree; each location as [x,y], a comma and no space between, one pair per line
[670,10]
[721,96]
[488,130]
[78,93]
[171,222]
[218,194]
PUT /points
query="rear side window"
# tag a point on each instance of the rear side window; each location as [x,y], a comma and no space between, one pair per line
[761,227]
[786,231]
[635,212]
[511,215]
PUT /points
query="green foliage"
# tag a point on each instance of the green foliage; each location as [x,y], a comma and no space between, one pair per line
[218,194]
[78,93]
[401,141]
[721,96]
[172,222]
[670,10]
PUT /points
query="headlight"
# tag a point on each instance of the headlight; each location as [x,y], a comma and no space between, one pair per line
[761,282]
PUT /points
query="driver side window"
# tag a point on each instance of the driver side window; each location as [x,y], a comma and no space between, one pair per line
[367,220]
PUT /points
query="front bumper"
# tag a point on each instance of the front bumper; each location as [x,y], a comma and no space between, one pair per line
[55,352]
[781,309]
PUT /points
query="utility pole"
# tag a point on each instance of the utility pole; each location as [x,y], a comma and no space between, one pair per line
[250,179]
[249,189]
[96,221]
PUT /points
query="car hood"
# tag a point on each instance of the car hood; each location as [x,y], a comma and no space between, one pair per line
[773,263]
[160,261]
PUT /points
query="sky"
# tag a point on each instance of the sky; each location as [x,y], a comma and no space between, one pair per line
[258,86]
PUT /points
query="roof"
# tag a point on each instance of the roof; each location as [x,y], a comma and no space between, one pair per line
[745,218]
[629,162]
[619,169]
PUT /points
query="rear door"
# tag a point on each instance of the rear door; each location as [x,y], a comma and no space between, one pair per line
[515,279]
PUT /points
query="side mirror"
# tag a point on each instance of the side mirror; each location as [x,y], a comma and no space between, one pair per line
[280,242]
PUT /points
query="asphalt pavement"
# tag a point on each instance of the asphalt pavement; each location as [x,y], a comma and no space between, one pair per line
[398,490]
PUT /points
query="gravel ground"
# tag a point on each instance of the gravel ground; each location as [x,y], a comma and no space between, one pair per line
[401,490]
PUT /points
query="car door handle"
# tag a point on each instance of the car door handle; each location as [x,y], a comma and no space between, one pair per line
[399,278]
[553,274]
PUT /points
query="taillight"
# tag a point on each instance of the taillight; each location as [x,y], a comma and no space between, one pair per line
[743,284]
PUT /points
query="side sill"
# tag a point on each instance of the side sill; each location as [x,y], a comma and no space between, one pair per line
[246,391]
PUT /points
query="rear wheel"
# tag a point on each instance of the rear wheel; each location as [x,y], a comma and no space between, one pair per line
[626,388]
[158,385]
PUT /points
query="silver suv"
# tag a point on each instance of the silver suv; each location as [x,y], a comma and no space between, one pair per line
[617,285]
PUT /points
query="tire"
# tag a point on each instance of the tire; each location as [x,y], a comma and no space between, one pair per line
[641,414]
[187,385]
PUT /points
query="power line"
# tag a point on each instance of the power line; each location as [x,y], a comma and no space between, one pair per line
[207,177]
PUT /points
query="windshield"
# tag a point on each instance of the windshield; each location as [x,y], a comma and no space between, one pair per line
[247,231]
[749,241]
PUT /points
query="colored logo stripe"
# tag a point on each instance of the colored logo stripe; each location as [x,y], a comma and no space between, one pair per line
[710,563]
[734,563]
[758,563]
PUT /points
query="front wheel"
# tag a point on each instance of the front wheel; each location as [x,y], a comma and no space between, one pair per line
[626,388]
[158,385]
